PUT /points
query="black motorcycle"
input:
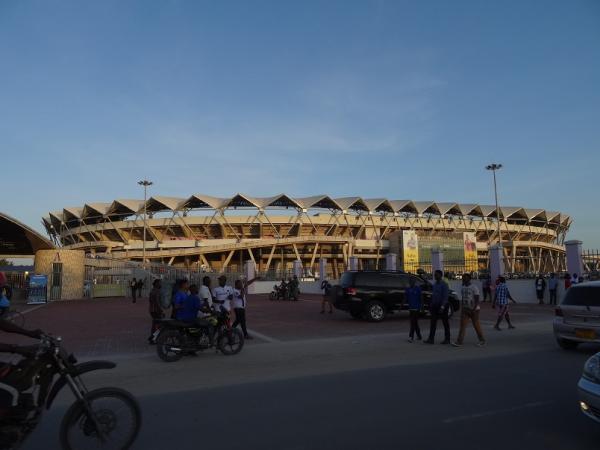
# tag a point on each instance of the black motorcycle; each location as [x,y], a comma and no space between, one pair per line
[177,338]
[279,292]
[100,418]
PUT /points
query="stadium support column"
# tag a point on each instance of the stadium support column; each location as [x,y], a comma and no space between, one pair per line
[323,269]
[298,268]
[390,261]
[496,258]
[353,263]
[437,260]
[574,259]
[249,274]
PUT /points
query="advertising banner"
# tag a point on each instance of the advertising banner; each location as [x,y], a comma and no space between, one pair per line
[37,289]
[410,250]
[470,243]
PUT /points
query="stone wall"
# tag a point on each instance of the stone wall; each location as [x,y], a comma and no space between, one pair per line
[73,272]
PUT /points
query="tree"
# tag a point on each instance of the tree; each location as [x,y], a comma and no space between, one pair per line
[5,262]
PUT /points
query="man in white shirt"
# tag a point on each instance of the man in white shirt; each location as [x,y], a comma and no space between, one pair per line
[222,295]
[206,298]
[470,311]
[239,305]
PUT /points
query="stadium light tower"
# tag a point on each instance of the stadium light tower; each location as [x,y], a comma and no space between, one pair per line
[146,184]
[494,167]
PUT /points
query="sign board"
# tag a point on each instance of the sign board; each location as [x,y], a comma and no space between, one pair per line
[410,250]
[470,243]
[36,293]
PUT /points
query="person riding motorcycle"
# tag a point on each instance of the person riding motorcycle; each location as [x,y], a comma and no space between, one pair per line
[187,309]
[8,393]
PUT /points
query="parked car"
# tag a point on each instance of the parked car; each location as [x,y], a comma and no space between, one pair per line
[578,316]
[589,388]
[373,294]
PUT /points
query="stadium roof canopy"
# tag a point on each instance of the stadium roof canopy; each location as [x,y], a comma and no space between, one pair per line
[121,208]
[17,239]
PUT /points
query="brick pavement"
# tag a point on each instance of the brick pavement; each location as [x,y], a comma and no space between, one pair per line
[92,328]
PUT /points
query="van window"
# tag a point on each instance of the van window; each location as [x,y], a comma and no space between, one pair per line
[346,280]
[582,296]
[395,281]
[368,280]
[421,282]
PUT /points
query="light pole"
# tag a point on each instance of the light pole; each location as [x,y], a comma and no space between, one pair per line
[494,168]
[144,183]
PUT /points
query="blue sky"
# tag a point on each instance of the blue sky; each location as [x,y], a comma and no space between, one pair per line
[397,99]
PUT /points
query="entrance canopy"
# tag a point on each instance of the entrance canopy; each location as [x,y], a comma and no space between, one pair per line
[17,239]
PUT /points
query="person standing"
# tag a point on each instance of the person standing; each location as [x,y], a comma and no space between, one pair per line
[567,281]
[139,285]
[222,295]
[155,308]
[133,286]
[553,288]
[575,279]
[501,299]
[206,298]
[470,311]
[414,299]
[239,305]
[486,287]
[439,308]
[294,287]
[540,287]
[326,288]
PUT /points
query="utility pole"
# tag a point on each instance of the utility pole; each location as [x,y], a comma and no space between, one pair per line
[146,184]
[494,168]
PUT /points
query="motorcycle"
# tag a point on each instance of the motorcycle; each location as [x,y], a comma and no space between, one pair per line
[279,293]
[177,338]
[103,418]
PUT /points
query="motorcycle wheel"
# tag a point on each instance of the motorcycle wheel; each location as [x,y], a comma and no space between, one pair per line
[165,343]
[272,296]
[231,342]
[106,418]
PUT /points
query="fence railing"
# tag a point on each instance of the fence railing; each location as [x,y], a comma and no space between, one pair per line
[591,261]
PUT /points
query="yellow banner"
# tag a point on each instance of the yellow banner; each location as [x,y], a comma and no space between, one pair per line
[470,242]
[410,250]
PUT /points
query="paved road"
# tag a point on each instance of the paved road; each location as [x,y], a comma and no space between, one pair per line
[95,328]
[361,392]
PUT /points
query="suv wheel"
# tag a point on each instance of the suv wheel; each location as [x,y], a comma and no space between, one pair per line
[565,344]
[375,311]
[356,314]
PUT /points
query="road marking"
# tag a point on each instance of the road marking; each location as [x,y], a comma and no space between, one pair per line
[32,309]
[264,337]
[495,412]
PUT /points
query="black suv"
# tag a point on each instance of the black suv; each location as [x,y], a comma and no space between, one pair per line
[372,294]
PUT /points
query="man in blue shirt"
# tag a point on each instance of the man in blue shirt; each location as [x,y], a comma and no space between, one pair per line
[501,299]
[413,298]
[439,308]
[186,306]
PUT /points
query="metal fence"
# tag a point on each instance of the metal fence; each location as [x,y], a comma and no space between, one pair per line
[105,277]
[452,268]
[591,260]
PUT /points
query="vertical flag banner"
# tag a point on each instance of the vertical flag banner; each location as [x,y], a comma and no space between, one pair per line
[410,250]
[470,243]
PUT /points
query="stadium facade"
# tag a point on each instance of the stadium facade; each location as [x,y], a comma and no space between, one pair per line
[221,233]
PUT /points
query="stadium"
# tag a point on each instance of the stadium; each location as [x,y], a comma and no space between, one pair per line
[220,234]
